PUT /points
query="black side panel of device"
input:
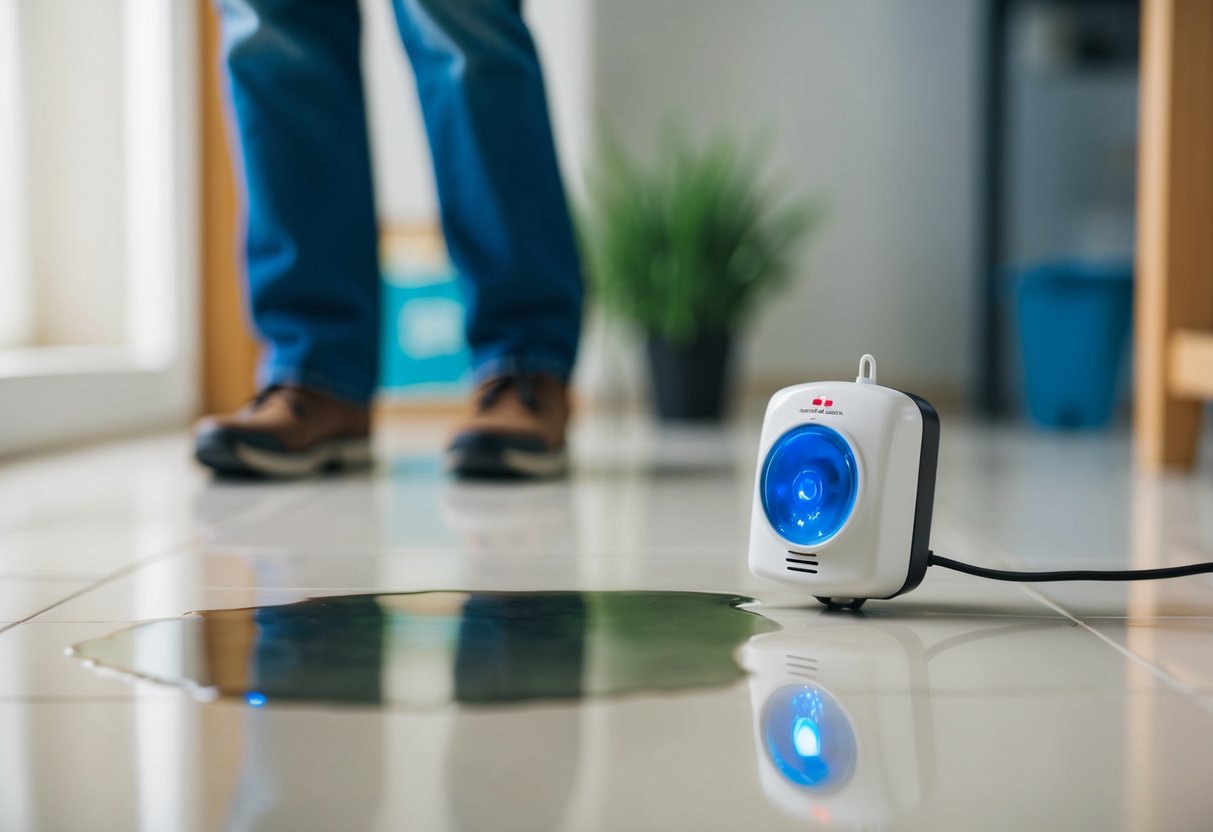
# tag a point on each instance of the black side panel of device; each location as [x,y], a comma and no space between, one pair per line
[928,463]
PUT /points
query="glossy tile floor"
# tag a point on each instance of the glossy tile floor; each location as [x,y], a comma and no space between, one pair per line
[966,705]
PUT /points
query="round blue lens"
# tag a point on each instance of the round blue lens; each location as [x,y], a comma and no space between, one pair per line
[809,737]
[808,484]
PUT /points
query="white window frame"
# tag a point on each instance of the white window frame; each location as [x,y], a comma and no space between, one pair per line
[50,395]
[16,320]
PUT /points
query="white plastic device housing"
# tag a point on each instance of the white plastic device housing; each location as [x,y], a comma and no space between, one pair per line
[881,551]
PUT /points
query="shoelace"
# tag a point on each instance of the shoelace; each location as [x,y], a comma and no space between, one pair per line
[264,395]
[524,384]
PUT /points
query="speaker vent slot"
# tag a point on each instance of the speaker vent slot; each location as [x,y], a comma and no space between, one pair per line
[802,563]
[802,666]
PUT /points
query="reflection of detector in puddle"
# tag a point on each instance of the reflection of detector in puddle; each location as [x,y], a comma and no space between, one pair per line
[808,737]
[429,649]
[829,749]
[842,715]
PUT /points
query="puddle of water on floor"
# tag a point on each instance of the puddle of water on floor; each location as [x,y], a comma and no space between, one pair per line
[428,649]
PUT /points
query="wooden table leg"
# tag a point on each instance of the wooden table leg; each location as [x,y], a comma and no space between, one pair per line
[1174,290]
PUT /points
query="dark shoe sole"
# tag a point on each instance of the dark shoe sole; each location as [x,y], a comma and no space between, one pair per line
[489,456]
[230,457]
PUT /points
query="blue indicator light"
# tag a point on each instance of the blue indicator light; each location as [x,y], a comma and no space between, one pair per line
[805,738]
[809,738]
[255,698]
[808,484]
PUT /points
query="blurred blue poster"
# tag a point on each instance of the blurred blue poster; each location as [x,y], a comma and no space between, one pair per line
[422,347]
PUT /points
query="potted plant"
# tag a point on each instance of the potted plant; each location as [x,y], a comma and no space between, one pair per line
[684,248]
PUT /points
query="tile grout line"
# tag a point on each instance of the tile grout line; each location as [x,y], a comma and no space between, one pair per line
[90,700]
[108,578]
[178,547]
[1166,678]
[50,579]
[1004,558]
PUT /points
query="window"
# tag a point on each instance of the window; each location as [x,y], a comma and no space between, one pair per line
[97,244]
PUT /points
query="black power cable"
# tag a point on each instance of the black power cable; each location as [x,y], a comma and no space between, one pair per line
[1073,574]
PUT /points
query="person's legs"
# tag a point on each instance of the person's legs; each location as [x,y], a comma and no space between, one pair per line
[311,248]
[504,212]
[506,224]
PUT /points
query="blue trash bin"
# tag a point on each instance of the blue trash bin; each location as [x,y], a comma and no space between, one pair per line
[1074,321]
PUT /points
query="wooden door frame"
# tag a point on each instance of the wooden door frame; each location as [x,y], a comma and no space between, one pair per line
[228,350]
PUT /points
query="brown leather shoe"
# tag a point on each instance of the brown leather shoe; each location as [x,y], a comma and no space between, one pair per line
[516,429]
[285,432]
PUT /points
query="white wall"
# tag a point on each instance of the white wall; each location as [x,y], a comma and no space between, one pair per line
[871,104]
[404,182]
[75,174]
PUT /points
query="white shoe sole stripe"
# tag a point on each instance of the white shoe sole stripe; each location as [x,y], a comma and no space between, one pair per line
[543,464]
[350,452]
[536,465]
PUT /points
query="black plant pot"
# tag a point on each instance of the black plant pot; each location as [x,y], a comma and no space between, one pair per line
[690,380]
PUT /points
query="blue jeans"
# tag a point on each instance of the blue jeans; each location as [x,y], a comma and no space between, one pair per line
[313,274]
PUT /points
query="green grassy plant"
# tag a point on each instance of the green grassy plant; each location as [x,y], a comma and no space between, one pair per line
[687,245]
